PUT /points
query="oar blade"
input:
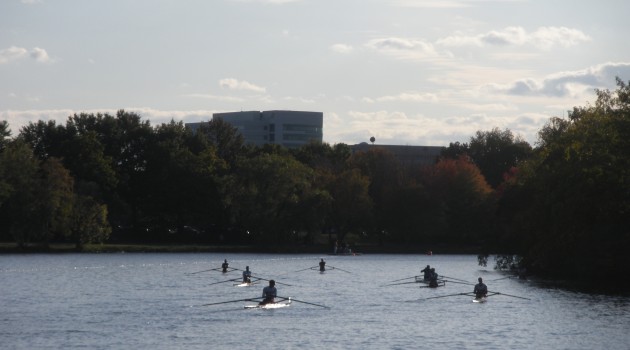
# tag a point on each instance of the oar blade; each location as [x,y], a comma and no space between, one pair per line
[305,302]
[230,301]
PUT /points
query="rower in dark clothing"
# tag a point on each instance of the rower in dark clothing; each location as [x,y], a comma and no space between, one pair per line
[481,290]
[433,279]
[322,265]
[224,266]
[427,273]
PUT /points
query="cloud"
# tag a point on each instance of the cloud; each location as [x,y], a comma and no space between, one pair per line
[234,84]
[566,84]
[403,48]
[543,37]
[404,97]
[15,53]
[341,48]
[39,55]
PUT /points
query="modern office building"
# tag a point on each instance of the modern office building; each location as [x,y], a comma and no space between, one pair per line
[287,128]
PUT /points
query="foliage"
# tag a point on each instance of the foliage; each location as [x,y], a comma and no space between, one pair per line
[495,152]
[573,196]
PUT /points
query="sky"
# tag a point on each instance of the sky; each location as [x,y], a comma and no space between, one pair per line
[407,72]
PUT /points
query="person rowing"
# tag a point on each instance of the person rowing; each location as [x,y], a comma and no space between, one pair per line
[269,293]
[427,273]
[247,275]
[481,290]
[224,266]
[433,279]
[322,265]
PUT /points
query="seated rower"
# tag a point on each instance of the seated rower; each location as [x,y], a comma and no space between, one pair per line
[269,293]
[433,280]
[247,275]
[481,290]
[322,265]
[427,273]
[224,266]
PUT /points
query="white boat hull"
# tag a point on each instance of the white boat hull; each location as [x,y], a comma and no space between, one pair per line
[277,305]
[480,300]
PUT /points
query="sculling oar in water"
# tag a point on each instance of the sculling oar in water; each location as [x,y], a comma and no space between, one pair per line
[232,301]
[308,268]
[406,278]
[507,295]
[453,278]
[304,302]
[260,278]
[457,282]
[336,268]
[232,280]
[448,295]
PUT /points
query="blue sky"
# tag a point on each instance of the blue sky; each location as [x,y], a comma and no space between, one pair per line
[408,72]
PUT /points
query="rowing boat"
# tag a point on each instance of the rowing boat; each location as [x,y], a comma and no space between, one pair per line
[245,284]
[480,300]
[277,305]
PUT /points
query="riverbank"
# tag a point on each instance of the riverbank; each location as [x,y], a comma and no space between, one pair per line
[12,248]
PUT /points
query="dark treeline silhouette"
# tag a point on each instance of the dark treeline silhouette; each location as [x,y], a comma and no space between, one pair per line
[561,208]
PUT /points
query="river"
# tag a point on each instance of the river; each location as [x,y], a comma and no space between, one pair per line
[153,301]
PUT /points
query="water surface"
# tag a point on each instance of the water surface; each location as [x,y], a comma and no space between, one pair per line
[126,301]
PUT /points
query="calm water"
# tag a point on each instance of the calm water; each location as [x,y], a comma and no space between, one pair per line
[151,301]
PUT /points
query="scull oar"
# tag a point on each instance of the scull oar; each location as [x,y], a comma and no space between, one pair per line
[470,284]
[308,268]
[448,295]
[305,302]
[509,295]
[403,279]
[453,278]
[264,279]
[231,301]
[232,280]
[336,268]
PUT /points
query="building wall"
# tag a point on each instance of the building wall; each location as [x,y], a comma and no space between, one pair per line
[288,128]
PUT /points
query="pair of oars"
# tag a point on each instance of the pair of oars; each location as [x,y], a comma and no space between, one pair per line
[473,294]
[258,298]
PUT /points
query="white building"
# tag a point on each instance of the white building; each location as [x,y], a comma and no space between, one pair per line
[287,128]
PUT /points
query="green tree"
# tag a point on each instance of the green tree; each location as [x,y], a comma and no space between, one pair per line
[89,221]
[265,193]
[5,134]
[574,194]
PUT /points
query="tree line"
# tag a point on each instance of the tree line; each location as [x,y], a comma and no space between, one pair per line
[559,208]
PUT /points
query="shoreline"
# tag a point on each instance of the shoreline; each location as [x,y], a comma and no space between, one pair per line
[60,248]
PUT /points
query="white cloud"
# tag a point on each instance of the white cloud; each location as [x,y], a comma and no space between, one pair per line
[15,53]
[543,37]
[566,84]
[341,48]
[39,55]
[234,84]
[403,48]
[404,97]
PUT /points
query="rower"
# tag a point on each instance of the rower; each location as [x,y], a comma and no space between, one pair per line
[269,293]
[247,275]
[433,279]
[224,266]
[481,290]
[322,265]
[427,273]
